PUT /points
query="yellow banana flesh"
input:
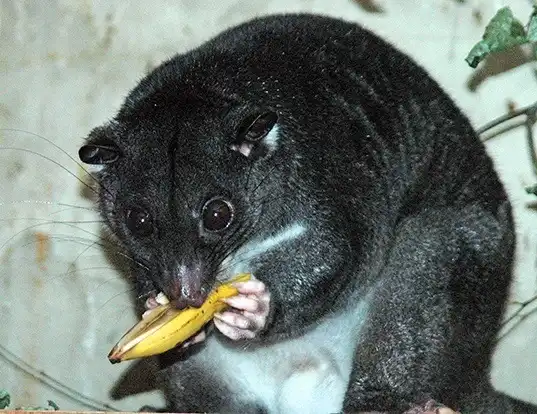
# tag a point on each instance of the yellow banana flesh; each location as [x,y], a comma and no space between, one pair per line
[165,327]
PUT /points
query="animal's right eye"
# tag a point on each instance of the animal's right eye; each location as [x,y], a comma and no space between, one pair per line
[139,221]
[217,214]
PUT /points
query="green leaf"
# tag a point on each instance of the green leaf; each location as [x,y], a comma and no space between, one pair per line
[5,399]
[53,405]
[532,26]
[478,53]
[502,33]
[532,189]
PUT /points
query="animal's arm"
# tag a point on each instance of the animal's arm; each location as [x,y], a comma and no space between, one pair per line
[302,279]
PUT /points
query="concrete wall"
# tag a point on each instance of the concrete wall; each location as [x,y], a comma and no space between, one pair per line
[65,67]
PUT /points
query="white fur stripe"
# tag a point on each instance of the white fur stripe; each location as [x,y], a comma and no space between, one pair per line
[240,261]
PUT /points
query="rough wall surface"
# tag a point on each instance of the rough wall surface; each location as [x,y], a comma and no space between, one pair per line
[65,67]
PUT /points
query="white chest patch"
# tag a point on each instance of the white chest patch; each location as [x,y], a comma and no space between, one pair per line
[306,375]
[309,374]
[240,261]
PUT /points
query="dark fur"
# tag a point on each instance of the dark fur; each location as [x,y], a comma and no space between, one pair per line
[395,187]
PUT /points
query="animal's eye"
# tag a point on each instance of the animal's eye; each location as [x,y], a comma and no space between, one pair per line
[217,214]
[139,221]
[257,128]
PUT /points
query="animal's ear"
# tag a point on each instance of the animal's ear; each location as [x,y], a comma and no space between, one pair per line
[99,149]
[257,135]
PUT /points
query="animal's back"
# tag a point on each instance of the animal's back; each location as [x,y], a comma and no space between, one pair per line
[343,76]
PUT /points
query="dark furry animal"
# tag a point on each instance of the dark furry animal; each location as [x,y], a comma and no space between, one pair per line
[310,152]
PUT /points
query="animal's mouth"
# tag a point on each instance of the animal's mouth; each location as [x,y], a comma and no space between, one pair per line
[178,301]
[185,288]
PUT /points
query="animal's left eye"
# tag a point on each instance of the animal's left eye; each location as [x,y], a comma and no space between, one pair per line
[139,221]
[217,214]
[255,129]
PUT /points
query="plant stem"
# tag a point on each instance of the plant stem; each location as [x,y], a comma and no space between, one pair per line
[504,118]
[530,120]
[531,117]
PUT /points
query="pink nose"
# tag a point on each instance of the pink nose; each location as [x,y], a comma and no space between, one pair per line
[186,287]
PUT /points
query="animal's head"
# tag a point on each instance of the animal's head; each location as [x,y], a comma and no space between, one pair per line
[198,169]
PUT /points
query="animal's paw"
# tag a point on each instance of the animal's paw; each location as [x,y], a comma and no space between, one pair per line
[151,409]
[430,407]
[248,311]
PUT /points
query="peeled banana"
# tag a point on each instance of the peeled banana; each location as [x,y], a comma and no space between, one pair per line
[165,327]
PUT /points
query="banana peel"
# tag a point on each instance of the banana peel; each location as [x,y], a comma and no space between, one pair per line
[165,327]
